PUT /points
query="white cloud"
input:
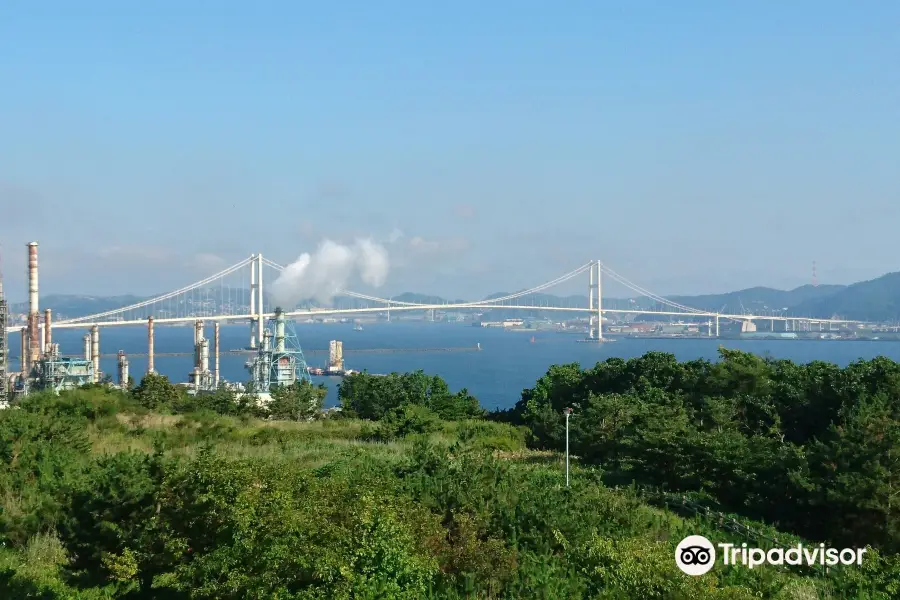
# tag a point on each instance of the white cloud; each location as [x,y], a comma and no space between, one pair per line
[395,236]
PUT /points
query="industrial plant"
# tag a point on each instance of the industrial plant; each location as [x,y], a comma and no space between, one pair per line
[277,360]
[4,347]
[277,364]
[41,365]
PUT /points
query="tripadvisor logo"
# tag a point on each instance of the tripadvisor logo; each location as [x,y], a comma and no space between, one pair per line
[696,555]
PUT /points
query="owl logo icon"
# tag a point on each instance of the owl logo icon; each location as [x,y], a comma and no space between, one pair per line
[695,555]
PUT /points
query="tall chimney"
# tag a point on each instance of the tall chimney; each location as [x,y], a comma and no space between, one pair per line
[216,349]
[34,340]
[279,330]
[87,346]
[123,370]
[150,344]
[204,357]
[23,361]
[95,351]
[48,335]
[32,278]
[198,331]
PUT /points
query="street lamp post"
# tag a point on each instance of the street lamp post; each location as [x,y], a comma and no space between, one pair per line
[568,412]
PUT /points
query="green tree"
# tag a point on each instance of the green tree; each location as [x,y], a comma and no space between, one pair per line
[156,392]
[374,397]
[411,419]
[299,401]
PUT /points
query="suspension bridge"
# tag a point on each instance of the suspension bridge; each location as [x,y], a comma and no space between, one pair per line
[237,294]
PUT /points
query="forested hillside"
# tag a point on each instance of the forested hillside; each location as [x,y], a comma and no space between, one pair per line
[413,491]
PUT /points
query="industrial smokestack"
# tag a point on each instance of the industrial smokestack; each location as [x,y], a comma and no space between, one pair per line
[279,330]
[123,370]
[198,346]
[204,357]
[216,350]
[87,346]
[48,335]
[32,278]
[95,351]
[150,344]
[34,339]
[23,361]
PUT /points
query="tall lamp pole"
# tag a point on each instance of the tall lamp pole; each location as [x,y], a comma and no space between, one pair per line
[568,412]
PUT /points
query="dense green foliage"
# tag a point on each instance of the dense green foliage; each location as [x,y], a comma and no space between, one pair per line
[810,448]
[153,494]
[375,397]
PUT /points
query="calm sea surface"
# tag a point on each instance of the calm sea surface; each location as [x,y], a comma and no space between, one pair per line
[507,363]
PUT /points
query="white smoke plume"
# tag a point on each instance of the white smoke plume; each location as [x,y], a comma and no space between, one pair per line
[323,274]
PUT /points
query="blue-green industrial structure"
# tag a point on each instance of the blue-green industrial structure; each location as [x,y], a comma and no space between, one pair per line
[278,362]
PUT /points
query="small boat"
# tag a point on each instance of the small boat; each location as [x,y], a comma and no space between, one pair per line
[357,327]
[532,339]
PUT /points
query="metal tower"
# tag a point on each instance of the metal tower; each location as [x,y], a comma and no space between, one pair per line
[279,362]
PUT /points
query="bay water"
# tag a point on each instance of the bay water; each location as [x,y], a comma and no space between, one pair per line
[508,362]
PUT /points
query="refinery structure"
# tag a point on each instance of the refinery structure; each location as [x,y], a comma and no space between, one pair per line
[4,346]
[41,367]
[277,360]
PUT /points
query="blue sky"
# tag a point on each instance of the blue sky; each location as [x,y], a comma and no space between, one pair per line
[693,146]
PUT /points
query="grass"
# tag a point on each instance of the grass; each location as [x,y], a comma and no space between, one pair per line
[306,444]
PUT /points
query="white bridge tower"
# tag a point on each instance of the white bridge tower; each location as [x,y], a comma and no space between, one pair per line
[595,284]
[257,320]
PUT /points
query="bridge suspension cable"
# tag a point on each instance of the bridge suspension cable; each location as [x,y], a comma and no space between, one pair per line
[388,302]
[193,286]
[634,287]
[359,296]
[533,290]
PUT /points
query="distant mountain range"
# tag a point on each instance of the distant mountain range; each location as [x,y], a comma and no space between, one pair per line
[873,300]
